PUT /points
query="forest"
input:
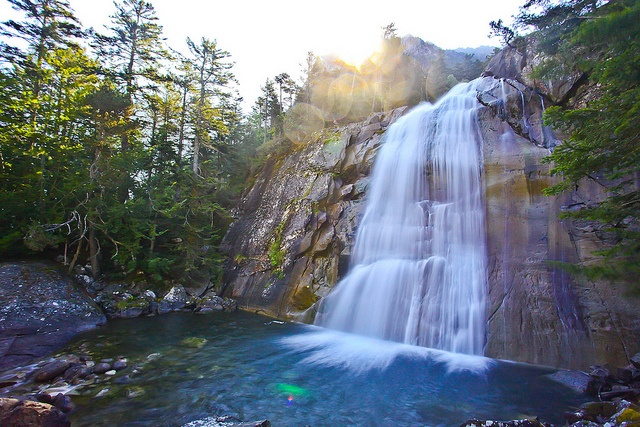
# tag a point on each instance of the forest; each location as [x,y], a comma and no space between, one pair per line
[119,151]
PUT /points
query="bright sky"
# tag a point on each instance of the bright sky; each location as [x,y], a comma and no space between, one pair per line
[266,38]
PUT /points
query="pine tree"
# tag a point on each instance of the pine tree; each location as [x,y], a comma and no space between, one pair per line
[41,111]
[210,74]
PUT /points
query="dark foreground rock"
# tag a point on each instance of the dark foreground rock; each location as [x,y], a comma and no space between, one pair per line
[226,421]
[28,413]
[40,310]
[620,413]
[617,391]
[512,423]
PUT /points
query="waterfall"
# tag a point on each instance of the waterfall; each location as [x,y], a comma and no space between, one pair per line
[418,271]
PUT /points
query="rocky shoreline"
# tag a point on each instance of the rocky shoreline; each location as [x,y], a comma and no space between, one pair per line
[47,384]
[57,309]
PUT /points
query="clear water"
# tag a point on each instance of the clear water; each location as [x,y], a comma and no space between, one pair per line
[419,272]
[296,375]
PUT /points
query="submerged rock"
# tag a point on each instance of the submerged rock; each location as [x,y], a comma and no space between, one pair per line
[193,342]
[52,370]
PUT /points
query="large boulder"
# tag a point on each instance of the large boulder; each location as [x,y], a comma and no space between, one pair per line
[174,300]
[40,310]
[27,413]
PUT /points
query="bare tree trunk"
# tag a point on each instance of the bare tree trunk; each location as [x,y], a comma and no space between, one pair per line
[93,252]
[75,256]
[196,155]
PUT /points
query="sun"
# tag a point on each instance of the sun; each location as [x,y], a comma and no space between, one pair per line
[355,49]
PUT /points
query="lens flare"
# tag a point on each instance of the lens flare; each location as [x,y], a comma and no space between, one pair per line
[355,51]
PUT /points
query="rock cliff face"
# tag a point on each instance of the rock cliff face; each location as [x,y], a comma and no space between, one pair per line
[537,313]
[292,241]
[296,226]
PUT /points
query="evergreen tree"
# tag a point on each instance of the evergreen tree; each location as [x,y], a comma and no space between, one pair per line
[49,25]
[132,54]
[210,75]
[309,70]
[268,107]
[95,160]
[42,132]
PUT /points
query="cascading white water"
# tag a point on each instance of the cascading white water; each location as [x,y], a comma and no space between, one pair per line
[418,273]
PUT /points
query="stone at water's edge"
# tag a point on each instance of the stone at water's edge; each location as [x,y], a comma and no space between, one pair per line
[40,310]
[27,413]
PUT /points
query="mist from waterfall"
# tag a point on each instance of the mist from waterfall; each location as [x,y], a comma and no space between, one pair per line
[419,266]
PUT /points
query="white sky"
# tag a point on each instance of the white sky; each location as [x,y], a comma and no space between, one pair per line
[266,38]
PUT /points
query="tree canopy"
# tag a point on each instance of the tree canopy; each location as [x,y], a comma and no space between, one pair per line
[111,150]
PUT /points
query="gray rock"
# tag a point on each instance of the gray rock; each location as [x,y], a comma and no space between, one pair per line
[635,360]
[575,380]
[149,295]
[226,421]
[51,370]
[119,365]
[211,303]
[512,423]
[76,372]
[175,299]
[60,401]
[101,368]
[40,310]
[63,403]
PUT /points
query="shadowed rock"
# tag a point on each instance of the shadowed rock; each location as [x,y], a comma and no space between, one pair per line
[40,310]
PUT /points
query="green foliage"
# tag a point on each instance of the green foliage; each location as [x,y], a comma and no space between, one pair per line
[276,253]
[439,80]
[499,29]
[38,239]
[603,143]
[97,147]
[131,302]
